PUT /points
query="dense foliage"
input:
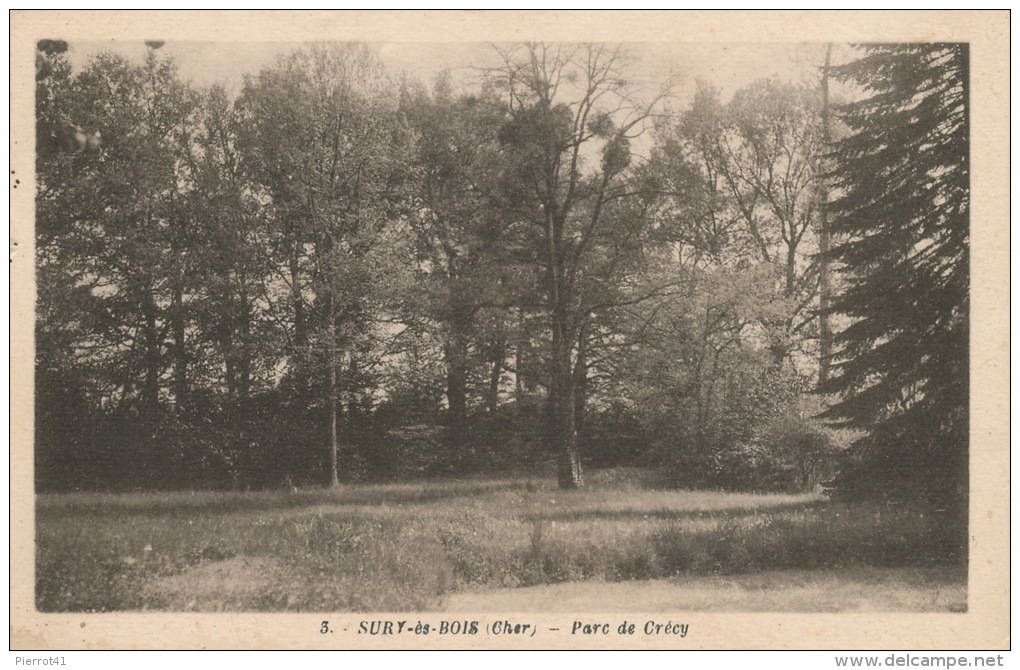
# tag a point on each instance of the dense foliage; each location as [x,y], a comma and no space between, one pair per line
[903,214]
[336,274]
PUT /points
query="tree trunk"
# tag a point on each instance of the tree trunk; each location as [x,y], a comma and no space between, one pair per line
[519,367]
[243,371]
[561,387]
[225,342]
[824,287]
[456,384]
[498,356]
[581,379]
[791,268]
[570,474]
[561,405]
[180,353]
[297,300]
[353,399]
[334,479]
[150,388]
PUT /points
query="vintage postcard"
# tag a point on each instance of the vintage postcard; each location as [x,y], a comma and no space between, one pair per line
[509,330]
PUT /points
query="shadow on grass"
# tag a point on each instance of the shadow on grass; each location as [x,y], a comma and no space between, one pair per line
[736,512]
[224,502]
[640,495]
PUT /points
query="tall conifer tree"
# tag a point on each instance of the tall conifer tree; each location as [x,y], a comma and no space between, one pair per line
[902,219]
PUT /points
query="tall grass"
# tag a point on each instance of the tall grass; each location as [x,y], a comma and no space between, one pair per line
[405,546]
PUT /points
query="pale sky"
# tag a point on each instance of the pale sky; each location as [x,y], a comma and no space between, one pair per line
[727,66]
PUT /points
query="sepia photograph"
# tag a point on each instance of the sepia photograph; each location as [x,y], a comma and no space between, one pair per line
[562,342]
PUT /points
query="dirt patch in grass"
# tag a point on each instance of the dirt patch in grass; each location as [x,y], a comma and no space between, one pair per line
[226,585]
[844,590]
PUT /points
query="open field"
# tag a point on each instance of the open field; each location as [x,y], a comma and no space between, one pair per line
[461,544]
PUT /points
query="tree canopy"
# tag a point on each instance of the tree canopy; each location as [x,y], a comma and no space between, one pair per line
[903,213]
[338,273]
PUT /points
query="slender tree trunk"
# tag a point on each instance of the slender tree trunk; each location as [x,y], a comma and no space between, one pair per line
[180,352]
[519,367]
[243,371]
[297,300]
[233,340]
[226,344]
[824,287]
[518,383]
[581,379]
[150,389]
[353,399]
[498,357]
[334,479]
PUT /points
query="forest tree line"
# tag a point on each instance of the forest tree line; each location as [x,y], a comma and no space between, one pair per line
[341,274]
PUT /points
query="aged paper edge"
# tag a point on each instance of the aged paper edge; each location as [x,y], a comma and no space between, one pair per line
[986,623]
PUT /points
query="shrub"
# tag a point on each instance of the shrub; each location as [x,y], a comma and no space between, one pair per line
[615,436]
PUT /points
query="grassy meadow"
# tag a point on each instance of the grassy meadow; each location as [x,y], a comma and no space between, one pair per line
[436,545]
